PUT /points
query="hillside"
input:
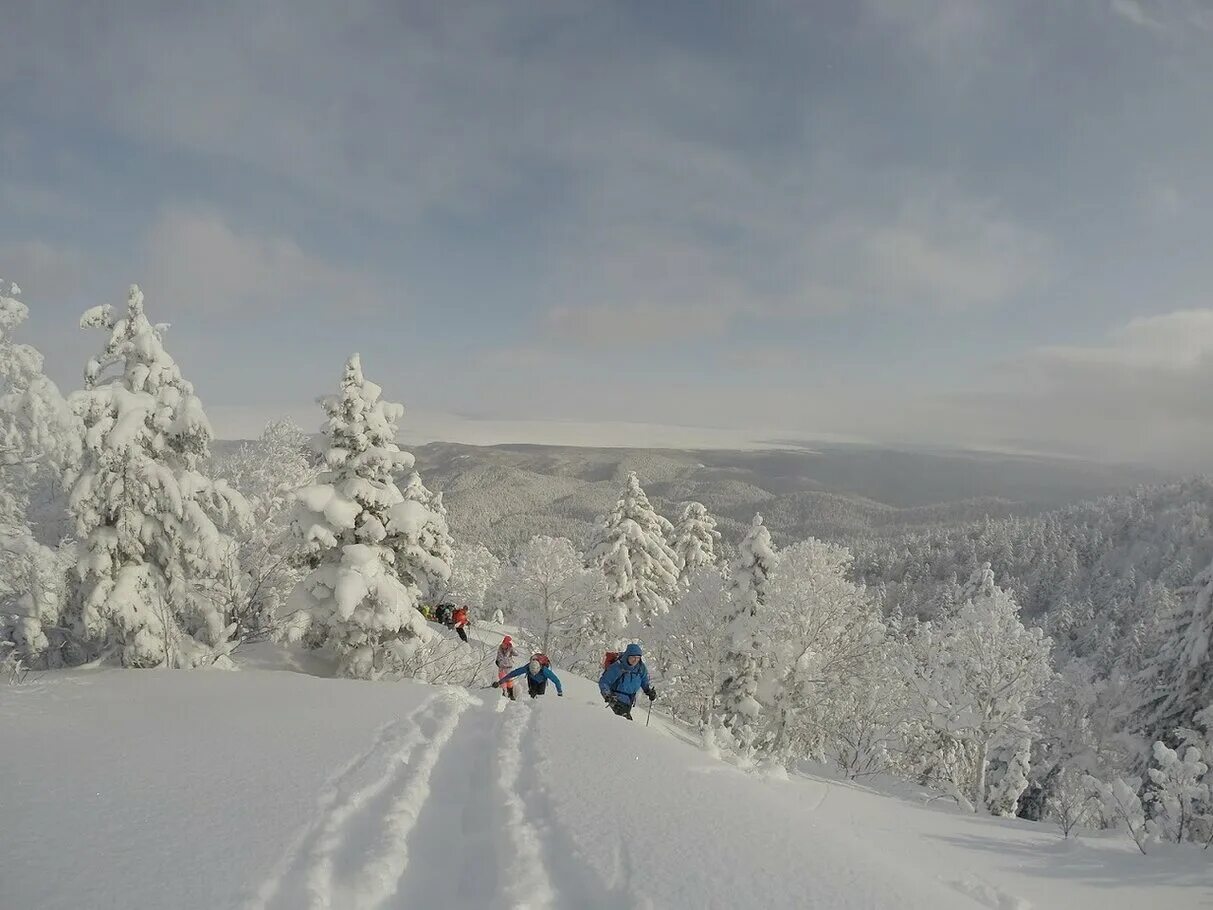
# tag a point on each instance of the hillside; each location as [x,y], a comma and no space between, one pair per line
[502,495]
[262,789]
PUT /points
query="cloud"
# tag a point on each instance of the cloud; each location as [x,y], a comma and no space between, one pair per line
[196,261]
[1134,12]
[47,273]
[939,249]
[1140,394]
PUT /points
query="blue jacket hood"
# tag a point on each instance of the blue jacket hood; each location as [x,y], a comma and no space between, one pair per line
[633,650]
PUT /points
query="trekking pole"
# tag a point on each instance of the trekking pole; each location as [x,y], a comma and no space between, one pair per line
[650,714]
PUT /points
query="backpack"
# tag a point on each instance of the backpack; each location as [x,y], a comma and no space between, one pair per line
[542,658]
[609,658]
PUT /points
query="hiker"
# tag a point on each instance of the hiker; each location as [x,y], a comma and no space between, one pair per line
[623,679]
[537,675]
[459,619]
[505,663]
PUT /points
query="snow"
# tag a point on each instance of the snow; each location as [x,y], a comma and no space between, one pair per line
[268,789]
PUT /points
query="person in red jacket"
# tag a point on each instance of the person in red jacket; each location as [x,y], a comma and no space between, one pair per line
[461,621]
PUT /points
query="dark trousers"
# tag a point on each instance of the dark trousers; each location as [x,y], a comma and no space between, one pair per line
[461,633]
[536,688]
[621,709]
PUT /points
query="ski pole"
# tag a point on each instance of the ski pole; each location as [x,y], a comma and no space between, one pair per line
[650,714]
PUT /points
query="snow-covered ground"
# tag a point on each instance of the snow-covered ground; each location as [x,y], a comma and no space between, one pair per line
[269,789]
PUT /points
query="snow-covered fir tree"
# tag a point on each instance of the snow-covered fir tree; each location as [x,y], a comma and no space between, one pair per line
[740,710]
[631,548]
[268,472]
[371,549]
[432,535]
[695,540]
[40,444]
[1177,680]
[152,560]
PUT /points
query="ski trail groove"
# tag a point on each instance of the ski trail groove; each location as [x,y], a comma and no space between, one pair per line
[331,802]
[568,841]
[380,877]
[527,882]
[454,846]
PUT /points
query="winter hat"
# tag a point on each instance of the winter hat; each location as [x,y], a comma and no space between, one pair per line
[507,641]
[632,650]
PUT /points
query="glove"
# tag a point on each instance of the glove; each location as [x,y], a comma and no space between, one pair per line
[608,698]
[652,693]
[496,684]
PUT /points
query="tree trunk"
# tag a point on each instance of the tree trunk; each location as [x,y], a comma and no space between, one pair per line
[983,752]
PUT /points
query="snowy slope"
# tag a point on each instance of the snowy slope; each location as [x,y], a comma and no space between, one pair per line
[268,790]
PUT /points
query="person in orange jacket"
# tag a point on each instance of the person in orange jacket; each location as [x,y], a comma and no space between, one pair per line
[460,620]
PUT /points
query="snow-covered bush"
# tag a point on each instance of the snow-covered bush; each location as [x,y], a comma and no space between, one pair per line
[631,548]
[1178,794]
[152,565]
[371,549]
[695,540]
[559,605]
[268,472]
[1120,805]
[1071,802]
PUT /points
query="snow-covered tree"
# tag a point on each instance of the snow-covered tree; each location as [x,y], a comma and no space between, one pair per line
[268,472]
[1008,775]
[40,444]
[695,540]
[1179,792]
[689,642]
[152,559]
[474,569]
[557,603]
[371,549]
[977,677]
[825,647]
[631,548]
[1178,679]
[740,710]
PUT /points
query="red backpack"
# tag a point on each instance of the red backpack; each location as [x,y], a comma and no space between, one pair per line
[609,658]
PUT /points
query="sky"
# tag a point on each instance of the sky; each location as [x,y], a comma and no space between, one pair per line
[928,222]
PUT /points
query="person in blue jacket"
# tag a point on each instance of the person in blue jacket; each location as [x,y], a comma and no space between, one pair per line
[537,676]
[624,679]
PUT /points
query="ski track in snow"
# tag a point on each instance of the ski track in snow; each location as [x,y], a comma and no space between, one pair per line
[332,803]
[356,854]
[572,880]
[527,883]
[987,895]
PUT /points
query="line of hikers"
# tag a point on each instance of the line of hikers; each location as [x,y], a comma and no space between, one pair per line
[623,677]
